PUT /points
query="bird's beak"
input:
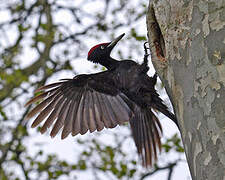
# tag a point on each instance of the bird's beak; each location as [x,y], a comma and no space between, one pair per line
[115,41]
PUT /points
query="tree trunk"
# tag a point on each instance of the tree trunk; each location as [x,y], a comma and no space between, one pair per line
[187,42]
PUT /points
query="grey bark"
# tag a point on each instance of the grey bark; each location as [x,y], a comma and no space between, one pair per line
[187,42]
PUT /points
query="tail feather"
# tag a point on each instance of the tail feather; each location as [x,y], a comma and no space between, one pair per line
[158,105]
[146,131]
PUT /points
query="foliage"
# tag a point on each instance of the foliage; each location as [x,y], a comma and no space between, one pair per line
[40,41]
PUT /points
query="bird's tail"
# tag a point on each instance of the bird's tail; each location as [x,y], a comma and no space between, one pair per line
[146,131]
[159,106]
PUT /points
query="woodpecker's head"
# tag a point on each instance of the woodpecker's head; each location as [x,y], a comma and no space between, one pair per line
[102,51]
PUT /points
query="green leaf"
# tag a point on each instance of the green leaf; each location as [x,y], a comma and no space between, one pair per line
[123,169]
[82,165]
[132,172]
[21,28]
[167,147]
[180,149]
[3,114]
[114,170]
[136,36]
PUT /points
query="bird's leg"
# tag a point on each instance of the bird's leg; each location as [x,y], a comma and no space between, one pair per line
[144,66]
[154,78]
[146,54]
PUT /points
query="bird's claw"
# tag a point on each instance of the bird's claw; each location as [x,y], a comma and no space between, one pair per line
[146,53]
[146,49]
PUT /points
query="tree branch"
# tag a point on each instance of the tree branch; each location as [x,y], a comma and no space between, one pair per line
[170,167]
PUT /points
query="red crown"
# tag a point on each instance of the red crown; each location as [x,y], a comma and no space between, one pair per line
[93,48]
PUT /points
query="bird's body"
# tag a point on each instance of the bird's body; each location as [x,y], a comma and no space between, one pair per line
[123,93]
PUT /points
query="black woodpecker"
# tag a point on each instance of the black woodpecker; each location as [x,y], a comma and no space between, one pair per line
[123,93]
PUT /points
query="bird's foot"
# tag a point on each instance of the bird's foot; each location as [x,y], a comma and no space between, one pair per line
[146,53]
[146,48]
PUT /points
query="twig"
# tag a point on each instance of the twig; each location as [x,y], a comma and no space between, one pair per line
[170,166]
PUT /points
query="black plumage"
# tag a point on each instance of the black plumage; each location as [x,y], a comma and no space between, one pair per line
[123,93]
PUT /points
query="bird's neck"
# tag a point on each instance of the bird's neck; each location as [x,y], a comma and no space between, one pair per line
[109,63]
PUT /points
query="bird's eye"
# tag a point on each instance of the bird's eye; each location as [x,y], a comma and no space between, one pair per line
[102,47]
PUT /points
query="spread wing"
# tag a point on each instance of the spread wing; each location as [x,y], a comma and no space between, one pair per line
[86,102]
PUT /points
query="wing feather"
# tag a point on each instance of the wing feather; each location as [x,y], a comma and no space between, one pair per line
[90,102]
[83,120]
[75,128]
[124,102]
[105,115]
[39,107]
[76,123]
[49,86]
[122,113]
[97,112]
[61,118]
[37,98]
[111,111]
[90,114]
[43,114]
[51,118]
[86,102]
[68,125]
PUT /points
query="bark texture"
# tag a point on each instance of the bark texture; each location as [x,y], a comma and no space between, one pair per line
[187,41]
